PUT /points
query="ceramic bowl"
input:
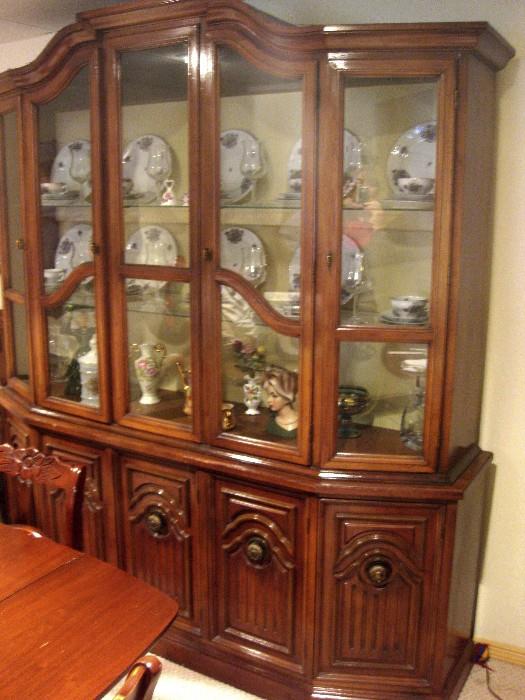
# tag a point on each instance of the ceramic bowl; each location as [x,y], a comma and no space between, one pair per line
[53,188]
[415,185]
[409,306]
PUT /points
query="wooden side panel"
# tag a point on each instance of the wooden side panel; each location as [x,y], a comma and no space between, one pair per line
[377,606]
[259,597]
[471,258]
[98,514]
[158,532]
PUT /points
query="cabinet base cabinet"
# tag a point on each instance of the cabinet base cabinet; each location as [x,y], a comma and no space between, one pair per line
[287,594]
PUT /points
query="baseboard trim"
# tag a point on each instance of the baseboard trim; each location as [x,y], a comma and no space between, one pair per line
[504,652]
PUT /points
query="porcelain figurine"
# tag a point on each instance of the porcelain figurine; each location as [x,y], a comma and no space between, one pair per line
[280,386]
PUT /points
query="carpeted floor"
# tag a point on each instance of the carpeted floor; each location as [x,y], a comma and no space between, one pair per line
[176,682]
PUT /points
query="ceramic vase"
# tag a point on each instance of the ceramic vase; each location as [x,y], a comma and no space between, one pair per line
[148,367]
[252,395]
[168,195]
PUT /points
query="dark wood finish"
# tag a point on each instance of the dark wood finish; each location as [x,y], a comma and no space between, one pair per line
[259,591]
[101,615]
[307,568]
[141,680]
[157,528]
[98,514]
[378,595]
[61,495]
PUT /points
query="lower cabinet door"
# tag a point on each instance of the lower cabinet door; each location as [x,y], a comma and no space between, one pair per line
[157,513]
[380,590]
[259,588]
[98,513]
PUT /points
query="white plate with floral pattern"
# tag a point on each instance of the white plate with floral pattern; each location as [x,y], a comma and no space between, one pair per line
[135,159]
[413,156]
[352,159]
[351,251]
[61,168]
[234,185]
[150,245]
[243,252]
[74,248]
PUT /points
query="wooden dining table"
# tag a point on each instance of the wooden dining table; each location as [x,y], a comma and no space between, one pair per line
[70,624]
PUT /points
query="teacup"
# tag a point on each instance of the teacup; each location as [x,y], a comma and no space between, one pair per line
[53,188]
[415,185]
[409,306]
[53,275]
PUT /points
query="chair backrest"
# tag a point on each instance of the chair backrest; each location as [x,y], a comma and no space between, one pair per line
[141,679]
[28,466]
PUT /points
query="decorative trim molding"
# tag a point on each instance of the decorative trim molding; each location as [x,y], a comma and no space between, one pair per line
[504,652]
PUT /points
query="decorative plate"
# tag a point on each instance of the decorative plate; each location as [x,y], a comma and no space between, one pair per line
[413,155]
[135,162]
[388,317]
[237,243]
[150,245]
[351,256]
[62,165]
[234,185]
[74,248]
[352,153]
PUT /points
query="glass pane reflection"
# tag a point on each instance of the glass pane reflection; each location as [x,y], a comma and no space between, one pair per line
[159,338]
[381,400]
[259,375]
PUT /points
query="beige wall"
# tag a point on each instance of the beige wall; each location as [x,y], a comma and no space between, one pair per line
[501,606]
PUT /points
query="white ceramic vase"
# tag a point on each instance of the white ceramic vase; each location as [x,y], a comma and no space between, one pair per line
[148,367]
[252,395]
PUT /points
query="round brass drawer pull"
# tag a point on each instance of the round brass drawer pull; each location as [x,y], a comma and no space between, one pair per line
[257,550]
[379,572]
[156,522]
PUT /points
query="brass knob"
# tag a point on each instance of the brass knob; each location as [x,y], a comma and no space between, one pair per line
[20,244]
[156,522]
[379,572]
[257,550]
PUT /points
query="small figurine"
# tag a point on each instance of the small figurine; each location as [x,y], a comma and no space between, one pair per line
[168,198]
[281,391]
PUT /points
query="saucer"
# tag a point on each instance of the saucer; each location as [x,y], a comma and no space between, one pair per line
[388,317]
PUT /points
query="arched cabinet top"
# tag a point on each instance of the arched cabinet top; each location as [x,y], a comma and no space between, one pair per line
[452,37]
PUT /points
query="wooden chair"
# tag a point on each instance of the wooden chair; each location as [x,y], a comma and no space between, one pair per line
[62,481]
[141,679]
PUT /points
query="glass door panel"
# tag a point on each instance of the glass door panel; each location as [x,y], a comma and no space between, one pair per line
[155,156]
[259,375]
[21,341]
[72,348]
[389,174]
[261,178]
[11,175]
[381,398]
[159,338]
[64,165]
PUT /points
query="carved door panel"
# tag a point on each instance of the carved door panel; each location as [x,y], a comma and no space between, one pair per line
[260,589]
[380,584]
[98,511]
[158,505]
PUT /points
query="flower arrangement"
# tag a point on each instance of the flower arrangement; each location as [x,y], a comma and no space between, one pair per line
[249,357]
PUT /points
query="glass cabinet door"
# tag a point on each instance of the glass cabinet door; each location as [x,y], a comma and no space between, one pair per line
[68,239]
[13,244]
[262,240]
[382,240]
[153,190]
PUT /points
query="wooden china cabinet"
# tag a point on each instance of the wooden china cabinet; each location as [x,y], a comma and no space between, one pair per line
[245,276]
